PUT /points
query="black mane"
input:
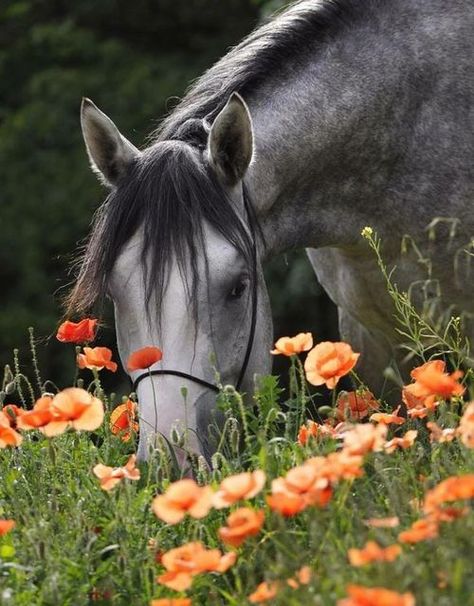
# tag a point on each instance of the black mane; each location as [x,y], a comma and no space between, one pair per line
[171,188]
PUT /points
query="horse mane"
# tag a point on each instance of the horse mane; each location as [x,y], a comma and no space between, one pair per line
[170,189]
[291,33]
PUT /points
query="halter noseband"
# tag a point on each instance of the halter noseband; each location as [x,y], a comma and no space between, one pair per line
[248,351]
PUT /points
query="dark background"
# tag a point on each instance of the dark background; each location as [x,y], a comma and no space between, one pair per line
[133,59]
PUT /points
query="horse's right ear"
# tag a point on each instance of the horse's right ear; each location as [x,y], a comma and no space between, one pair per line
[109,152]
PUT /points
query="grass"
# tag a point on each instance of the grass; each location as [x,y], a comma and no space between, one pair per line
[76,544]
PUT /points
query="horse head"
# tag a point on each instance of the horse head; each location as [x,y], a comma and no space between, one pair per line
[177,248]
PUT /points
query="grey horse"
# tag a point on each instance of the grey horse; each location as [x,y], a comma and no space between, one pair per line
[335,115]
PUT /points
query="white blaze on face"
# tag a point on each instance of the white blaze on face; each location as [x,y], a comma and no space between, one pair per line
[222,332]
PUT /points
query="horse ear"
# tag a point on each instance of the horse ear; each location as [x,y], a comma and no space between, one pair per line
[230,143]
[109,152]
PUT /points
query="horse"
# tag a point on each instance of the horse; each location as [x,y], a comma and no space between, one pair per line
[333,116]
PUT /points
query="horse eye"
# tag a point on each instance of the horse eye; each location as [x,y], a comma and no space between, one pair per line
[238,290]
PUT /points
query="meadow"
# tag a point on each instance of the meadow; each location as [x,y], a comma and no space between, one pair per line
[306,501]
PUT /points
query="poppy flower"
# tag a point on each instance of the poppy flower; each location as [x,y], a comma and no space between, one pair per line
[241,524]
[364,438]
[375,596]
[455,488]
[435,381]
[96,358]
[328,362]
[183,563]
[338,466]
[315,430]
[123,420]
[355,405]
[290,346]
[372,552]
[72,408]
[419,413]
[181,498]
[421,530]
[171,602]
[286,503]
[241,486]
[466,426]
[437,434]
[264,592]
[388,418]
[110,476]
[77,332]
[6,526]
[404,442]
[302,577]
[390,522]
[144,358]
[40,415]
[8,435]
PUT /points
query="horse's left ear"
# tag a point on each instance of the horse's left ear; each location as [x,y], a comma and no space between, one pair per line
[230,143]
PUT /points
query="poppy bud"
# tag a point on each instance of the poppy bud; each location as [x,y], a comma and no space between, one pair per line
[10,388]
[325,411]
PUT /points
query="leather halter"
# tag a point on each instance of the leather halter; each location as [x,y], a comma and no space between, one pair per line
[198,380]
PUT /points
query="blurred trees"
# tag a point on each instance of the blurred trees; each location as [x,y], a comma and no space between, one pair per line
[132,59]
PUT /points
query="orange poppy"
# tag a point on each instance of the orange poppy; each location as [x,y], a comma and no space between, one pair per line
[388,418]
[8,436]
[435,381]
[421,530]
[77,332]
[181,498]
[363,438]
[455,488]
[6,526]
[466,426]
[171,602]
[237,487]
[338,466]
[328,362]
[302,577]
[290,346]
[182,563]
[73,408]
[355,405]
[372,552]
[390,522]
[437,434]
[419,413]
[404,442]
[123,420]
[375,596]
[241,524]
[264,592]
[96,358]
[110,476]
[144,358]
[40,415]
[315,430]
[286,503]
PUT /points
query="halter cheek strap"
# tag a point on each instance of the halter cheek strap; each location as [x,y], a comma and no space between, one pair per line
[253,322]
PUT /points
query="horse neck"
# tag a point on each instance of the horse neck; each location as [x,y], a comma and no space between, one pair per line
[331,135]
